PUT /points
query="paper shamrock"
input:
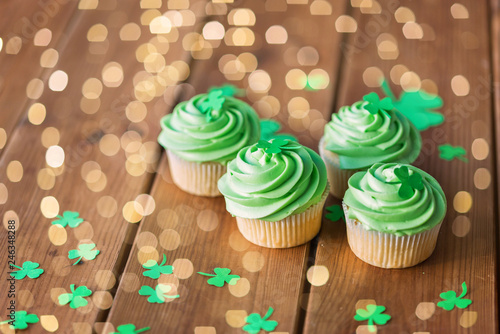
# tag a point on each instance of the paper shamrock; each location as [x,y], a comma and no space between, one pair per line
[221,276]
[268,129]
[130,329]
[374,314]
[76,298]
[451,300]
[155,269]
[273,146]
[228,90]
[418,106]
[158,294]
[213,104]
[409,183]
[374,104]
[68,218]
[84,251]
[22,319]
[256,323]
[28,269]
[448,152]
[335,212]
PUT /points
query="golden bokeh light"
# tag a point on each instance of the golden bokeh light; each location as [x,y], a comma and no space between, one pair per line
[54,156]
[459,11]
[480,149]
[404,15]
[276,35]
[97,33]
[112,74]
[460,85]
[373,76]
[241,17]
[36,114]
[92,88]
[42,37]
[58,81]
[14,171]
[34,89]
[49,207]
[346,23]
[213,30]
[462,202]
[50,137]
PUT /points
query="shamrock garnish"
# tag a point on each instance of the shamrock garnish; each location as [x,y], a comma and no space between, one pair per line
[335,212]
[68,218]
[418,106]
[130,329]
[268,129]
[374,314]
[374,104]
[221,276]
[448,152]
[256,323]
[228,90]
[213,104]
[76,298]
[451,300]
[273,146]
[84,251]
[158,294]
[409,183]
[155,269]
[22,319]
[28,269]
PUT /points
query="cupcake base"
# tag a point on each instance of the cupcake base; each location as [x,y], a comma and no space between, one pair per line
[291,231]
[387,250]
[194,177]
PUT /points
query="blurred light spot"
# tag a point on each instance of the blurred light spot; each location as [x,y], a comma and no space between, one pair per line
[130,214]
[146,239]
[216,8]
[346,23]
[130,32]
[170,239]
[459,11]
[397,72]
[207,220]
[425,310]
[318,79]
[105,279]
[178,4]
[57,235]
[49,58]
[320,7]
[462,202]
[112,74]
[109,145]
[410,82]
[318,275]
[1,44]
[296,79]
[42,37]
[13,45]
[88,4]
[365,329]
[248,60]
[14,171]
[241,17]
[54,156]
[363,303]
[49,323]
[253,261]
[213,31]
[129,282]
[145,204]
[460,85]
[46,179]
[239,37]
[241,288]
[10,215]
[468,319]
[461,226]
[49,207]
[276,35]
[97,33]
[429,34]
[36,114]
[259,81]
[236,318]
[373,76]
[4,194]
[147,4]
[58,81]
[106,206]
[34,89]
[429,86]
[307,56]
[413,30]
[92,88]
[160,25]
[84,231]
[154,63]
[370,7]
[183,268]
[3,138]
[204,330]
[404,14]
[480,149]
[102,299]
[267,107]
[50,137]
[147,253]
[482,178]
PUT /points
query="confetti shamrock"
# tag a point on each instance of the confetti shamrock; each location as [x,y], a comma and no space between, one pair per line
[213,104]
[158,294]
[409,183]
[221,276]
[256,323]
[155,270]
[335,212]
[418,106]
[130,329]
[28,269]
[76,298]
[448,152]
[68,218]
[374,104]
[228,90]
[451,300]
[374,314]
[22,319]
[268,129]
[273,146]
[84,251]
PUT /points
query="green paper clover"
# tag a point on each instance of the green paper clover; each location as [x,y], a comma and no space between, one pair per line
[256,323]
[221,276]
[22,319]
[374,314]
[272,147]
[28,269]
[418,106]
[448,152]
[451,300]
[155,270]
[409,183]
[158,294]
[130,329]
[213,104]
[374,104]
[268,129]
[228,90]
[84,251]
[76,298]
[335,212]
[68,218]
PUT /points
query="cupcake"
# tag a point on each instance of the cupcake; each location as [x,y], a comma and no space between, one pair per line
[393,215]
[365,133]
[202,135]
[276,189]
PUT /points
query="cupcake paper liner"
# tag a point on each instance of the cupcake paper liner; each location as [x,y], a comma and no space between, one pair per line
[387,250]
[194,177]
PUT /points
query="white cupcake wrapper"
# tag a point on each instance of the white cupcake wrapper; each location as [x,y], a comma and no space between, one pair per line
[194,177]
[387,250]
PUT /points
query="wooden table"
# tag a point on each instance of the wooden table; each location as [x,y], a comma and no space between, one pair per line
[83,85]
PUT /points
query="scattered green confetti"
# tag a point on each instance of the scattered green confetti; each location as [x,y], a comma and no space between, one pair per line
[84,251]
[76,298]
[451,300]
[256,323]
[273,146]
[155,270]
[375,105]
[419,106]
[221,276]
[268,129]
[28,269]
[409,183]
[22,319]
[449,152]
[228,90]
[213,104]
[158,294]
[68,218]
[335,212]
[130,329]
[374,314]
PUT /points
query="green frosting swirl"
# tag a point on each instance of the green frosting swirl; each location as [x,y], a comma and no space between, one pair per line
[373,198]
[195,136]
[361,139]
[270,186]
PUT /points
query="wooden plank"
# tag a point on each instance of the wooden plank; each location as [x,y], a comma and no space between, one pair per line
[208,234]
[110,155]
[466,246]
